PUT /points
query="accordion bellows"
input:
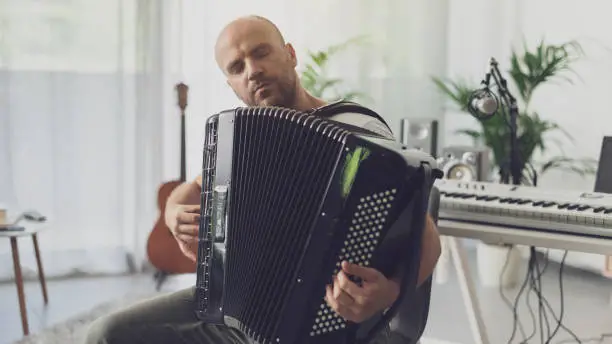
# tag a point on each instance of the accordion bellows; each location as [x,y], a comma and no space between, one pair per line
[286,197]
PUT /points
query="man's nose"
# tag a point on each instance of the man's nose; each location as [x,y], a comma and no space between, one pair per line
[254,71]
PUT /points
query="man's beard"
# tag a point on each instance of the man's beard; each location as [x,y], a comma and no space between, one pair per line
[282,94]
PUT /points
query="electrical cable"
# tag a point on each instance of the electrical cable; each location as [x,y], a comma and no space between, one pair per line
[536,288]
[533,284]
[547,318]
[514,309]
[533,267]
[516,321]
[545,310]
[562,305]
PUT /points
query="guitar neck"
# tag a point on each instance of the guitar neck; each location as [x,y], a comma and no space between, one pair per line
[182,90]
[183,159]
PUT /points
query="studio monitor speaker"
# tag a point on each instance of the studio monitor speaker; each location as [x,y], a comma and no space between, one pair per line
[420,133]
[603,179]
[465,163]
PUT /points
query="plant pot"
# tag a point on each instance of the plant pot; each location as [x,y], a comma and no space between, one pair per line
[498,265]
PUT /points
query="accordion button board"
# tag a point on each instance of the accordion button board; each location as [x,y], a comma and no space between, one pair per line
[526,207]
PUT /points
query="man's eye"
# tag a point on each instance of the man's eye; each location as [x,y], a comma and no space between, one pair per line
[261,52]
[235,68]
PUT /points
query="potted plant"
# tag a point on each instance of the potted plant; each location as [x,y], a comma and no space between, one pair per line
[315,77]
[529,70]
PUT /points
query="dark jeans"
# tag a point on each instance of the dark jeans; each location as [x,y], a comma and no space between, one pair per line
[167,319]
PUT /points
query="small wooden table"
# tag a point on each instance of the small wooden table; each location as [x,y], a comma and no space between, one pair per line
[30,230]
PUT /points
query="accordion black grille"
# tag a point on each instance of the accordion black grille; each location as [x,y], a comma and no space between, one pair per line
[283,164]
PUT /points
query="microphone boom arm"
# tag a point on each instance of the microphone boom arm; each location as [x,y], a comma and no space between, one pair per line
[510,101]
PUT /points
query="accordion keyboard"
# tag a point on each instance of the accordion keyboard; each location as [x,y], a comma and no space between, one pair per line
[526,207]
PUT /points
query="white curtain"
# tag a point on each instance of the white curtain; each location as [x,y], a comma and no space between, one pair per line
[82,87]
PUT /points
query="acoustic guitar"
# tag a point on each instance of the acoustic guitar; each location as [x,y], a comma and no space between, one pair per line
[162,249]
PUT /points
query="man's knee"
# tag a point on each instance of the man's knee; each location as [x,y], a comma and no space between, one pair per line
[106,330]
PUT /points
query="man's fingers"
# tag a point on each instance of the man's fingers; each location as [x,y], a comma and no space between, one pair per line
[341,296]
[341,309]
[188,251]
[187,239]
[192,208]
[349,287]
[191,230]
[190,218]
[329,297]
[367,274]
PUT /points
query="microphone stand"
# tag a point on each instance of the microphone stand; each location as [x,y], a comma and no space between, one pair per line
[515,161]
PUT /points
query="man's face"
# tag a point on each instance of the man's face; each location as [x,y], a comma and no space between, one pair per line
[258,66]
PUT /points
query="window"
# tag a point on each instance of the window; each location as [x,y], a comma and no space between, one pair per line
[69,35]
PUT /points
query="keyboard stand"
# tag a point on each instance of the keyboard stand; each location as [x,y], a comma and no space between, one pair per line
[468,289]
[453,231]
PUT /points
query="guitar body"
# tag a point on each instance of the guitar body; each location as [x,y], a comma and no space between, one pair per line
[163,250]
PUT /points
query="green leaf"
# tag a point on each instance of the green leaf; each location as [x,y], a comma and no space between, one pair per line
[531,69]
[458,91]
[325,84]
[579,166]
[314,75]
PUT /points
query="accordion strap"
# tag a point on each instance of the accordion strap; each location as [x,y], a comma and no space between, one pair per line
[344,106]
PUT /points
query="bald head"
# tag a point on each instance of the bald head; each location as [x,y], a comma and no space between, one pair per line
[252,25]
[258,63]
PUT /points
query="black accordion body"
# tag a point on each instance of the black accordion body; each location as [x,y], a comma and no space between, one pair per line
[286,197]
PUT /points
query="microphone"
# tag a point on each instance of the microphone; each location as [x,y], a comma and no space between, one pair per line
[483,103]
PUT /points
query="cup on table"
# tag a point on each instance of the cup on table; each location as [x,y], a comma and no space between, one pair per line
[2,216]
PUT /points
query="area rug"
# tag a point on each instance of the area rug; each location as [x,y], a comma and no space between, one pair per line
[74,329]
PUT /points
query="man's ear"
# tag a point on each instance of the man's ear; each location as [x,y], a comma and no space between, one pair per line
[292,55]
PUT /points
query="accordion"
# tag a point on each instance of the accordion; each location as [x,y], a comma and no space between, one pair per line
[286,197]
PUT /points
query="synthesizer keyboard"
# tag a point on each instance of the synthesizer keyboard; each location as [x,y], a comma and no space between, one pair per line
[526,207]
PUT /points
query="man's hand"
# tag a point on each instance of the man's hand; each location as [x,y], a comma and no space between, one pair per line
[184,225]
[355,303]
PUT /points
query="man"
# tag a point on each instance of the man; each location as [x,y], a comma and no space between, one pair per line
[260,69]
